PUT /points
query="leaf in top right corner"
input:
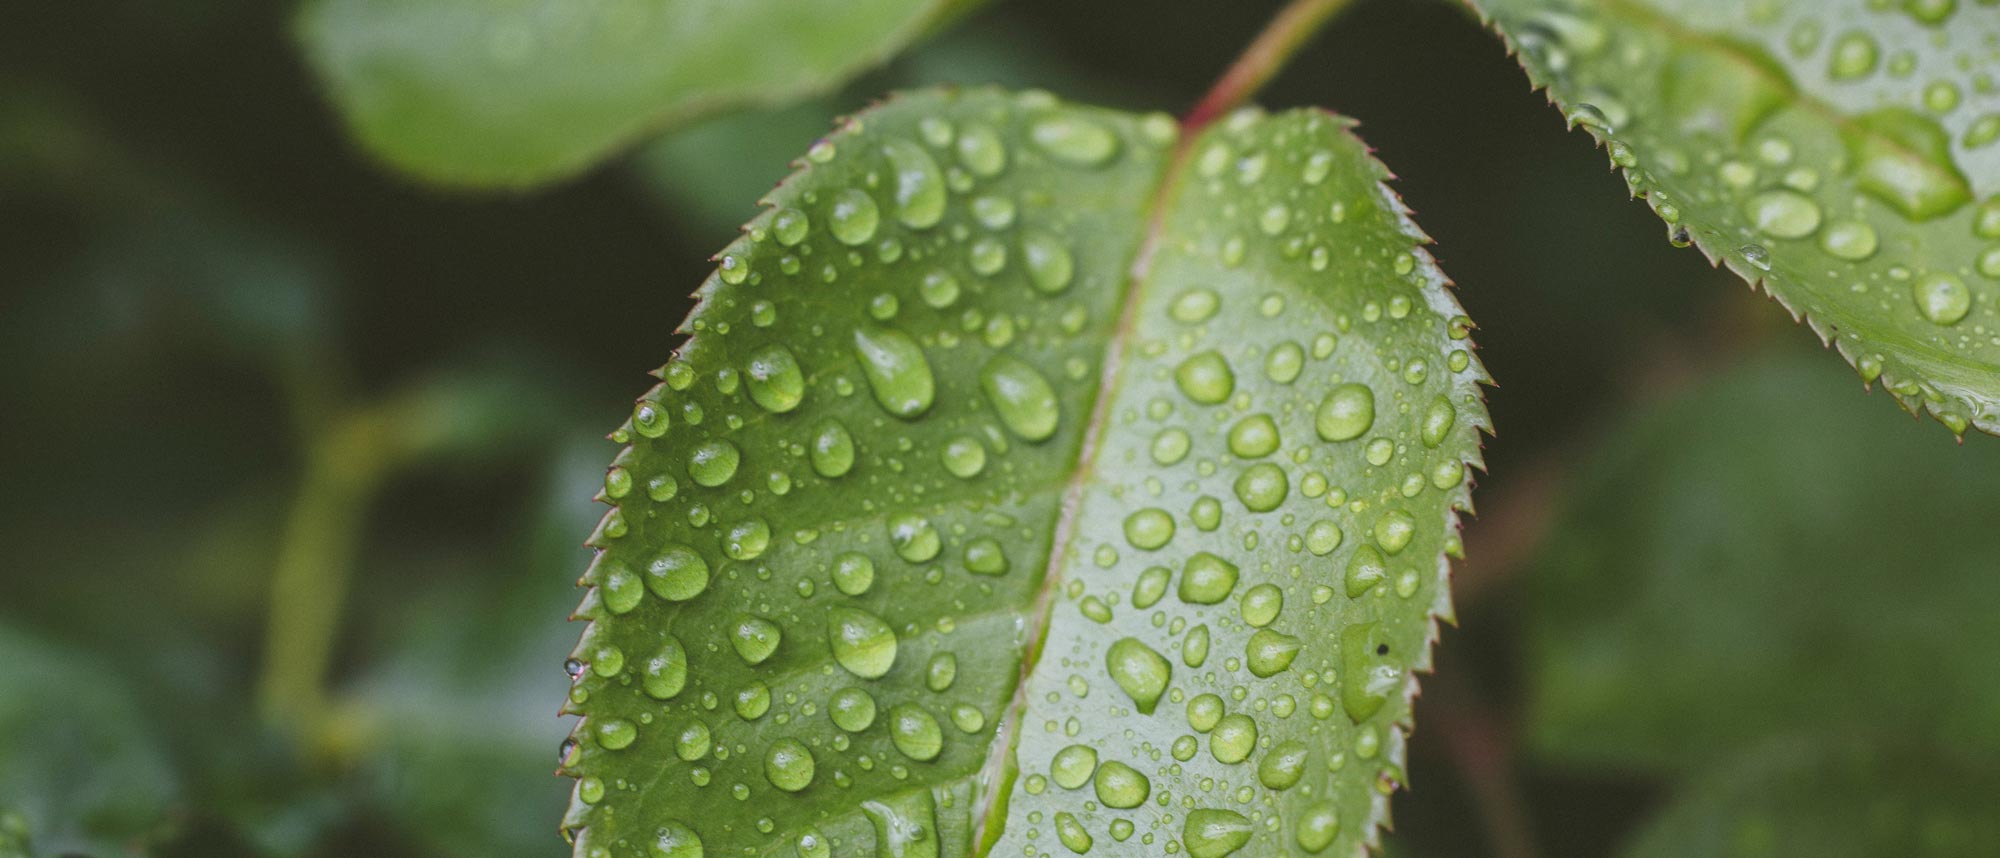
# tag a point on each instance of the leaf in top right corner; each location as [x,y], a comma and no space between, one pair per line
[1844,153]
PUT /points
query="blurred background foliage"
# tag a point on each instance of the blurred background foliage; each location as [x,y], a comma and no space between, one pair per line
[1720,602]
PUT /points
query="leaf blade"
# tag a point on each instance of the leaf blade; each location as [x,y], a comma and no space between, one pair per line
[1862,195]
[966,400]
[464,93]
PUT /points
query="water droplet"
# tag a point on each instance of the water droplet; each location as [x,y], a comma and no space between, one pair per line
[832,449]
[1367,677]
[789,226]
[754,638]
[1904,159]
[941,672]
[851,709]
[1322,537]
[1269,653]
[1207,579]
[1140,671]
[915,732]
[863,644]
[984,556]
[616,733]
[788,765]
[1049,263]
[1073,766]
[939,289]
[747,539]
[1285,362]
[1121,786]
[1213,833]
[896,369]
[854,217]
[1851,240]
[853,573]
[1783,213]
[1071,833]
[1149,529]
[1261,605]
[693,742]
[1254,437]
[964,457]
[677,574]
[1854,56]
[1394,530]
[1205,378]
[1194,305]
[713,462]
[775,382]
[1364,570]
[1233,738]
[1262,487]
[1194,648]
[981,151]
[1171,446]
[914,537]
[666,673]
[1755,254]
[813,844]
[1022,397]
[1284,765]
[1942,297]
[1074,140]
[1317,827]
[920,191]
[1346,412]
[675,840]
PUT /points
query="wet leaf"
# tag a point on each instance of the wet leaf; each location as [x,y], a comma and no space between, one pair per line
[952,529]
[1841,153]
[1728,570]
[466,92]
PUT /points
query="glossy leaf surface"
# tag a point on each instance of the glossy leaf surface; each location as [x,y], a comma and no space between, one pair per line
[1841,153]
[514,93]
[1033,481]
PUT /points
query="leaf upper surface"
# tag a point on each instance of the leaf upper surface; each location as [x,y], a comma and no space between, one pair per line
[954,531]
[514,93]
[1841,153]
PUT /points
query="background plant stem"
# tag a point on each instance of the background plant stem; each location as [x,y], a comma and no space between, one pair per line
[1282,38]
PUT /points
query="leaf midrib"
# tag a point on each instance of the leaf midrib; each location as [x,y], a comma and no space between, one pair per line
[1110,377]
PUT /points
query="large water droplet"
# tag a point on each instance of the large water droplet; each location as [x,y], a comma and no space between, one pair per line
[1121,786]
[775,382]
[915,732]
[1205,378]
[854,217]
[1904,159]
[754,638]
[851,709]
[1073,766]
[832,449]
[1942,297]
[1262,487]
[1233,738]
[1207,579]
[1283,766]
[1254,437]
[677,574]
[1074,140]
[714,462]
[981,151]
[1140,671]
[1049,263]
[1214,833]
[1022,397]
[1071,833]
[665,674]
[896,369]
[1268,653]
[788,765]
[863,644]
[920,190]
[853,573]
[1782,213]
[675,840]
[1317,827]
[1149,529]
[1345,413]
[914,537]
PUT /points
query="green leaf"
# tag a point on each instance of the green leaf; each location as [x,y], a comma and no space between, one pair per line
[469,92]
[1727,570]
[1841,153]
[1833,802]
[79,769]
[1025,484]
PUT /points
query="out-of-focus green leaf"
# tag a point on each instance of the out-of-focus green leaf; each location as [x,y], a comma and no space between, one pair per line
[1841,153]
[712,173]
[80,770]
[1729,569]
[1833,802]
[1008,499]
[514,93]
